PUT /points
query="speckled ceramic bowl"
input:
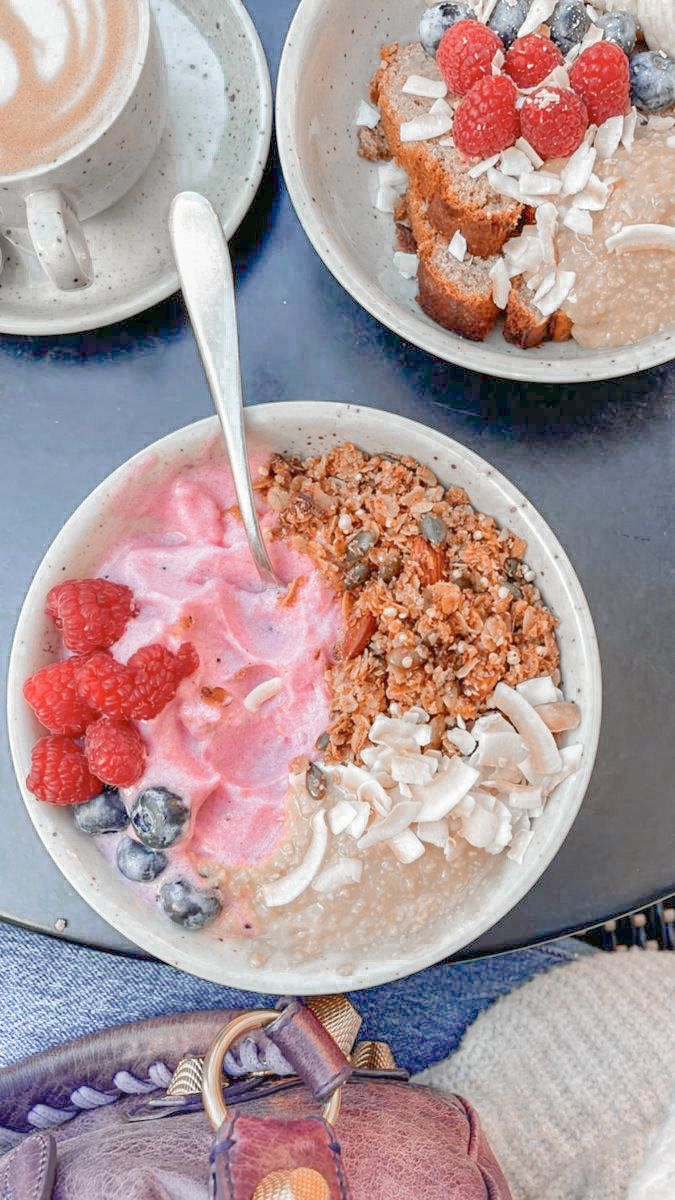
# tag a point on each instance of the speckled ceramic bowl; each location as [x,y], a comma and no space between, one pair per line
[304,428]
[331,53]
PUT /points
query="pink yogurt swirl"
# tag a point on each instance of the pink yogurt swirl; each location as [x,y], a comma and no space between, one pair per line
[187,562]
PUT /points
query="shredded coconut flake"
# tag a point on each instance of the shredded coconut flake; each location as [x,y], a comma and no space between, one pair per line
[642,237]
[515,162]
[578,170]
[608,138]
[523,144]
[344,871]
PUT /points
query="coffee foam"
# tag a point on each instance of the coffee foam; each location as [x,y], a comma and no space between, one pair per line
[62,64]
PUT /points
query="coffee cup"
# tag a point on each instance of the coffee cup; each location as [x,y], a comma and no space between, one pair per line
[82,109]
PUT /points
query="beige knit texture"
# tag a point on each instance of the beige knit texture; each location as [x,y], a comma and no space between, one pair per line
[572,1075]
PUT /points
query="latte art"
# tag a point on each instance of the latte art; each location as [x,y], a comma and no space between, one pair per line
[62,65]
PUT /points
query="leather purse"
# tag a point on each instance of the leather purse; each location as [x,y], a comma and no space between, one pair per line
[215,1104]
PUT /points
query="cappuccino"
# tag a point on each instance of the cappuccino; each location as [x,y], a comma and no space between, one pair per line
[63,66]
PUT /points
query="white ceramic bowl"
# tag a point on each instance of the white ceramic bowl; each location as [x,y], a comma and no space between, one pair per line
[303,428]
[331,53]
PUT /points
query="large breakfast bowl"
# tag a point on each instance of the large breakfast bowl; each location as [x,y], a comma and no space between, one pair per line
[331,53]
[304,428]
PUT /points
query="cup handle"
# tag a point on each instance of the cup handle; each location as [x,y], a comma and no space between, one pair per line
[58,240]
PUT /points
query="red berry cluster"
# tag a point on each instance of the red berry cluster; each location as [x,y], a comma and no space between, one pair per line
[93,697]
[553,119]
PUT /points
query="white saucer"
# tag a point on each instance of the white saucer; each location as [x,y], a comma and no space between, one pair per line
[216,141]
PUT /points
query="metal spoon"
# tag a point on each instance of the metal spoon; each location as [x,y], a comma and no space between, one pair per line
[205,271]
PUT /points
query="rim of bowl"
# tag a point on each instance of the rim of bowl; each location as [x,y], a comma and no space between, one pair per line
[177,947]
[588,367]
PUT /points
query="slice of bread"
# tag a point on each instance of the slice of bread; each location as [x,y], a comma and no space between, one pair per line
[438,173]
[457,295]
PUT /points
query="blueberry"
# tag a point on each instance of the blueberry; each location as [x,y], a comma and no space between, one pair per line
[437,19]
[104,814]
[652,80]
[187,906]
[137,862]
[508,17]
[569,23]
[620,28]
[159,817]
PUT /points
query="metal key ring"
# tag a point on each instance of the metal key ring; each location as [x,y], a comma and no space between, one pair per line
[212,1086]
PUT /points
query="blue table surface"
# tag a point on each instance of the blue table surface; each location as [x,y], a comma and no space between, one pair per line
[595,459]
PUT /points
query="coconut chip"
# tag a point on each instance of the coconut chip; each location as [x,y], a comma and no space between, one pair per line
[427,126]
[540,183]
[537,737]
[579,220]
[595,196]
[536,159]
[418,85]
[629,127]
[290,886]
[400,817]
[540,690]
[406,846]
[608,137]
[341,816]
[642,237]
[539,13]
[448,789]
[578,170]
[458,246]
[515,162]
[367,116]
[407,265]
[344,871]
[501,283]
[480,168]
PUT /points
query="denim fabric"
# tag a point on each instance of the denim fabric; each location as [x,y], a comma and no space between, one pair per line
[53,991]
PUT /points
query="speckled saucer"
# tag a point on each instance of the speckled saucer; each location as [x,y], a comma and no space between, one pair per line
[216,141]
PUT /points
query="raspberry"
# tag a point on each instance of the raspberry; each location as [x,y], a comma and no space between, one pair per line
[465,54]
[59,772]
[156,674]
[105,685]
[531,59]
[52,695]
[554,122]
[115,751]
[92,614]
[486,120]
[601,77]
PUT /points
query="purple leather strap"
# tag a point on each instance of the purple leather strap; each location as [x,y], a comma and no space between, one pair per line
[27,1173]
[247,1149]
[309,1049]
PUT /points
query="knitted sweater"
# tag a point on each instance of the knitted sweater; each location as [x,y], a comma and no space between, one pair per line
[573,1075]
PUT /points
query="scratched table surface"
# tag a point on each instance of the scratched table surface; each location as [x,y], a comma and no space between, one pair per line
[595,459]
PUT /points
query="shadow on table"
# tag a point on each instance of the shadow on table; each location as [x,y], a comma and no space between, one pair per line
[168,320]
[532,411]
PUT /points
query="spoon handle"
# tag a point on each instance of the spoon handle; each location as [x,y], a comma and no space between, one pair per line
[205,271]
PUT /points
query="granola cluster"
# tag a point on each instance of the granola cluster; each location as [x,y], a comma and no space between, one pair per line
[438,604]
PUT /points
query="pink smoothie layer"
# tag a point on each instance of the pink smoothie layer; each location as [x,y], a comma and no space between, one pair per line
[190,569]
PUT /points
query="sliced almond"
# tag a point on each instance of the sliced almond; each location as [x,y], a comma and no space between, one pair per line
[357,635]
[431,561]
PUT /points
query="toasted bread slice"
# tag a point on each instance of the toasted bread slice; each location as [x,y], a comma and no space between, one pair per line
[439,173]
[457,295]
